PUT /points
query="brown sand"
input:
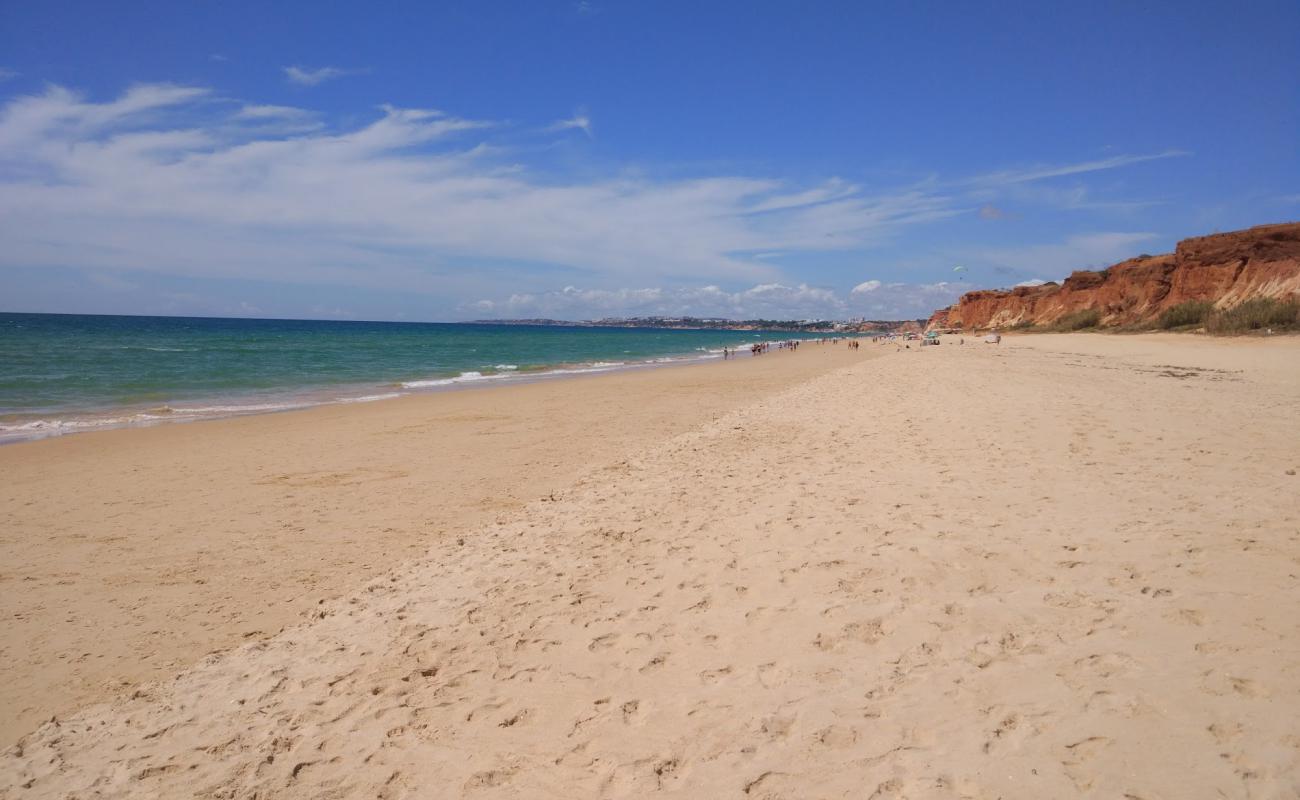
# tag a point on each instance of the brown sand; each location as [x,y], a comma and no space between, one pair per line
[1062,566]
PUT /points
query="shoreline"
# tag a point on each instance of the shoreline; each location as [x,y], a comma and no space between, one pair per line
[32,426]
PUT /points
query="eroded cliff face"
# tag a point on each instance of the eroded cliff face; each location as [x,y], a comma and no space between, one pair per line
[1225,269]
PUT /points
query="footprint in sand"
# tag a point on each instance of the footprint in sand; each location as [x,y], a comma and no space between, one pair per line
[715,675]
[489,779]
[868,632]
[772,675]
[632,711]
[655,663]
[776,726]
[836,737]
[517,718]
[603,642]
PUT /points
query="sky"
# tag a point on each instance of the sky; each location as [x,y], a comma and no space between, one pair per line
[574,160]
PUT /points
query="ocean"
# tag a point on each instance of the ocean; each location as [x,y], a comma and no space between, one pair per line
[61,373]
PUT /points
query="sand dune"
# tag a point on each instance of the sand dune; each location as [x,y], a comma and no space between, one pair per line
[1063,566]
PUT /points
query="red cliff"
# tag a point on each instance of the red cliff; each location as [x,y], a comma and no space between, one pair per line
[1224,269]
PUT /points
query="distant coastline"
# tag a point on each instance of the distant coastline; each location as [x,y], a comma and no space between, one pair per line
[718,323]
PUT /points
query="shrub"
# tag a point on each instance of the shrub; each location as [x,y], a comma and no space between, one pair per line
[1192,312]
[1022,325]
[1254,315]
[1078,320]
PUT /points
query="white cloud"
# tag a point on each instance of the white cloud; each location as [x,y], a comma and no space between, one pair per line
[834,189]
[763,301]
[32,127]
[866,286]
[904,300]
[165,180]
[271,112]
[159,180]
[1031,283]
[1041,172]
[579,122]
[313,77]
[766,300]
[7,74]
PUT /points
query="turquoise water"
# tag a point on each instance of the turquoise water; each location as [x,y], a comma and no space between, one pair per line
[64,372]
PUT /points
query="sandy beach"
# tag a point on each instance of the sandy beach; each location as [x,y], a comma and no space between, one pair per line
[129,554]
[1060,566]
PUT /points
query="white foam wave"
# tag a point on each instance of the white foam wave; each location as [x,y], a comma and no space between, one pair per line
[464,377]
[580,370]
[370,398]
[56,426]
[251,408]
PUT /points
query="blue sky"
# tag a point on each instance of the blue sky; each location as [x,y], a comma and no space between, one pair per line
[466,160]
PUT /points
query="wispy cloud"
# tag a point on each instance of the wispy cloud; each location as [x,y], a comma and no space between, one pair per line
[578,122]
[7,74]
[163,180]
[60,115]
[312,77]
[833,189]
[391,203]
[1042,172]
[773,300]
[272,112]
[899,300]
[1077,197]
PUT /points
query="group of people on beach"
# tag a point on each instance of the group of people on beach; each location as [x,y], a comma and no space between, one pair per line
[759,348]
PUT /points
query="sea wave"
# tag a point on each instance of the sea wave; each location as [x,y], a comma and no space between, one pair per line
[369,398]
[49,427]
[25,427]
[464,377]
[250,408]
